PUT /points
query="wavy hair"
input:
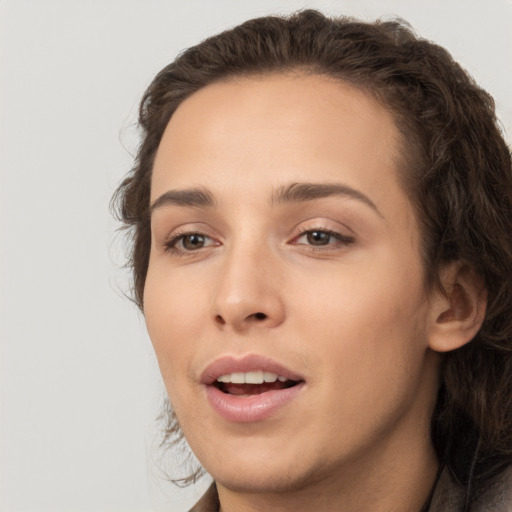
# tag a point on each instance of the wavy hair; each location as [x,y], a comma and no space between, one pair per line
[455,166]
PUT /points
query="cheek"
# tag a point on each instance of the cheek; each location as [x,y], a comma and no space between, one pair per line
[364,295]
[371,319]
[369,348]
[171,311]
[171,314]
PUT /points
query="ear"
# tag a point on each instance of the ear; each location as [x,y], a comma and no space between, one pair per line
[458,313]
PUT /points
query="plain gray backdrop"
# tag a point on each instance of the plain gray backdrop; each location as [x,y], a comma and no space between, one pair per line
[79,384]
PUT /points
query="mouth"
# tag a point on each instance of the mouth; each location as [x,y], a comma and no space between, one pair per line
[245,384]
[250,389]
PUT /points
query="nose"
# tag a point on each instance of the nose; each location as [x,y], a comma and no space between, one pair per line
[248,294]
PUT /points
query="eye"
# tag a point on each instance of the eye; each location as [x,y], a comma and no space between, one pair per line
[189,242]
[322,238]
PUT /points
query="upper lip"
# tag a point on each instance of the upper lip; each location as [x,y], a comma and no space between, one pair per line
[247,363]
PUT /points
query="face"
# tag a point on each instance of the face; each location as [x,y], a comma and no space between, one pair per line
[284,297]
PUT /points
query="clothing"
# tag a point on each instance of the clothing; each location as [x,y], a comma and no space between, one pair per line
[448,496]
[497,497]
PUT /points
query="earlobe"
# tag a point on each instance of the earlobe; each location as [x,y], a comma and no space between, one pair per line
[458,313]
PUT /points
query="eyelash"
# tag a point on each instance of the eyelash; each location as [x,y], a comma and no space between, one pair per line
[170,244]
[340,239]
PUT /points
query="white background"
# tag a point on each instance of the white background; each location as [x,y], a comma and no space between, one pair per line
[79,385]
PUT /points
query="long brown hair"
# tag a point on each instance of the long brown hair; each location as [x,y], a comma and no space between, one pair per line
[456,167]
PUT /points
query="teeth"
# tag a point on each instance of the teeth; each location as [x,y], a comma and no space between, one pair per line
[255,377]
[269,377]
[237,378]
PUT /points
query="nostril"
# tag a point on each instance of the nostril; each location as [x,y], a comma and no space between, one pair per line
[260,316]
[220,320]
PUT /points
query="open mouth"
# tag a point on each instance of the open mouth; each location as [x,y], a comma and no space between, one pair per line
[252,383]
[251,388]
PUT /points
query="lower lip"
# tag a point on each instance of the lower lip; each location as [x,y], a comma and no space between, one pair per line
[246,409]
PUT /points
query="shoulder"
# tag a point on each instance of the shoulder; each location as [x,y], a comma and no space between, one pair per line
[496,497]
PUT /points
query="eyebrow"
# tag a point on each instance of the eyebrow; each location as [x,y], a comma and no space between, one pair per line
[292,193]
[191,197]
[302,192]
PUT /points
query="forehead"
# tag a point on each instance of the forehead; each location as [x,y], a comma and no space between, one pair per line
[275,129]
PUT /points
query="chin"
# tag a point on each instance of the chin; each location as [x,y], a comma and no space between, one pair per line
[257,466]
[251,479]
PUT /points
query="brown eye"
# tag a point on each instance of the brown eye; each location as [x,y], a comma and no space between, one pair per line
[318,237]
[188,243]
[323,238]
[193,241]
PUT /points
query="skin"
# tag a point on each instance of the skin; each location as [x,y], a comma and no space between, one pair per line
[353,318]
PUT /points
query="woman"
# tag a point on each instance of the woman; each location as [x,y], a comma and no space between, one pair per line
[321,213]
